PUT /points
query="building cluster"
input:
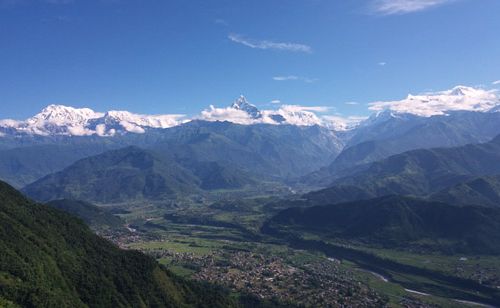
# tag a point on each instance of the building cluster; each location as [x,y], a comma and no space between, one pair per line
[316,284]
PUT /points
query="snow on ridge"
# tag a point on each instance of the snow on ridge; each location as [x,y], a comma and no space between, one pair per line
[65,120]
[242,112]
[155,121]
[460,98]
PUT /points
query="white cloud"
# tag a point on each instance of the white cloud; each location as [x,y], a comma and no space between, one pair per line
[227,114]
[265,44]
[352,103]
[131,127]
[275,101]
[100,129]
[292,114]
[496,83]
[439,103]
[222,22]
[285,78]
[398,7]
[293,77]
[10,123]
[382,63]
[80,131]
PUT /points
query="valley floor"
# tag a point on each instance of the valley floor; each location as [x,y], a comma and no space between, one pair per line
[222,243]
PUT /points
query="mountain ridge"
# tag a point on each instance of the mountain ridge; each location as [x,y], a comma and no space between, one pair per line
[421,172]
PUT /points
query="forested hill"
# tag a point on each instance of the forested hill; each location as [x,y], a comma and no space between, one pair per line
[398,222]
[50,259]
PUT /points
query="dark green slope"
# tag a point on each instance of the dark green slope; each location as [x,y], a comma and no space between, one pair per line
[213,175]
[125,174]
[481,191]
[50,259]
[396,222]
[421,172]
[132,173]
[94,216]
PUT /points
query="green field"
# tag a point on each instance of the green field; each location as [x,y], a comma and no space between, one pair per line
[228,226]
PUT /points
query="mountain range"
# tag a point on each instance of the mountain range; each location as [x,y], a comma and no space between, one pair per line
[269,151]
[400,133]
[439,173]
[69,121]
[291,145]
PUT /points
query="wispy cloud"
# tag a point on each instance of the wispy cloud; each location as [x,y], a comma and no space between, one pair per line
[275,101]
[352,103]
[265,44]
[398,7]
[382,63]
[285,78]
[222,22]
[293,77]
[496,83]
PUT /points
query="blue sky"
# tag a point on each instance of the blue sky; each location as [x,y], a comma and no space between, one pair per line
[155,56]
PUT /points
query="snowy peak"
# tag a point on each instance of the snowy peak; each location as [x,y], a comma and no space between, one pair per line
[64,120]
[460,98]
[154,121]
[298,115]
[242,112]
[59,114]
[242,104]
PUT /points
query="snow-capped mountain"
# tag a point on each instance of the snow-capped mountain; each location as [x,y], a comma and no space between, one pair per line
[54,119]
[124,121]
[242,104]
[243,112]
[64,120]
[460,98]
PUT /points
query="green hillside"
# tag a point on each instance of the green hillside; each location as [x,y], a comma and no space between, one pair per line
[50,259]
[114,176]
[398,222]
[132,173]
[419,172]
[481,191]
[94,216]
